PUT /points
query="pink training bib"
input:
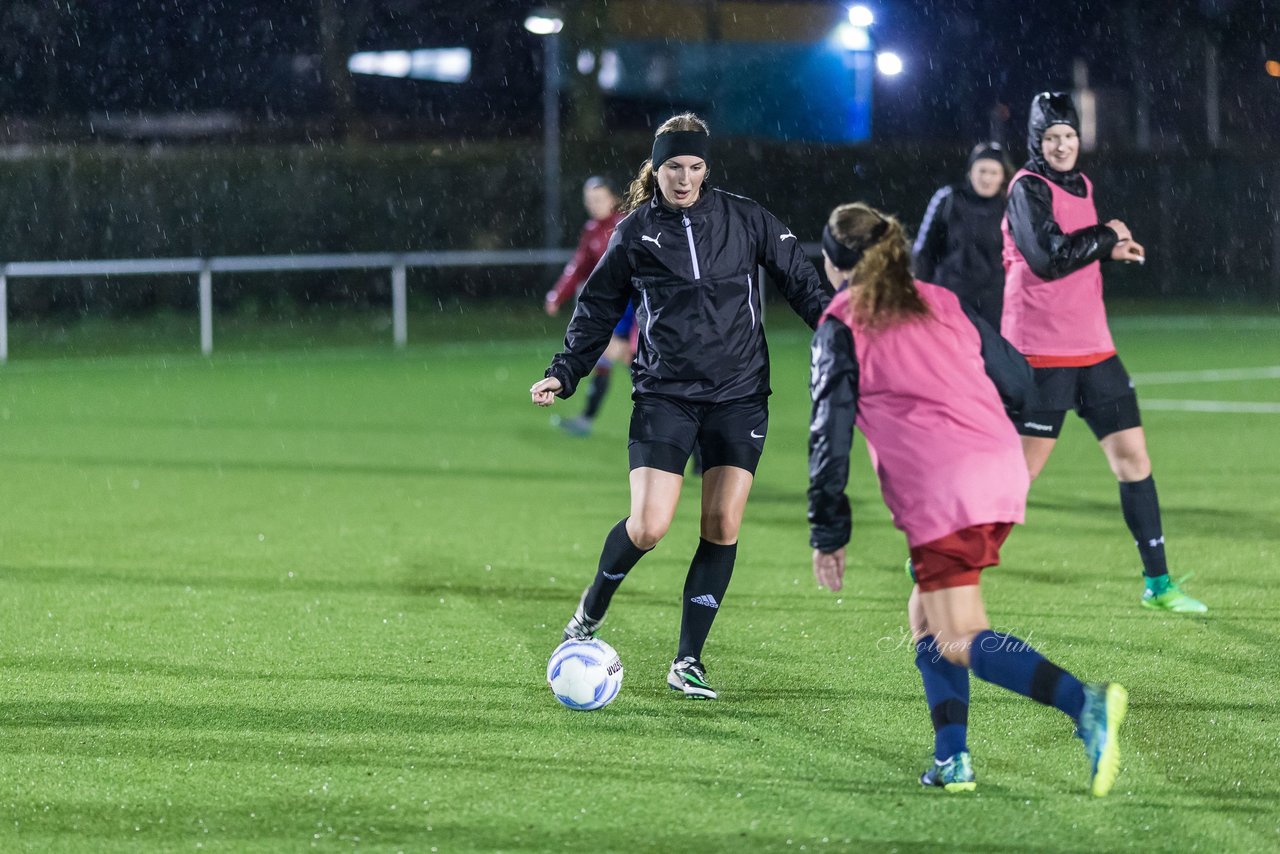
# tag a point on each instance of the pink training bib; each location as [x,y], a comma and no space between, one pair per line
[1058,317]
[946,454]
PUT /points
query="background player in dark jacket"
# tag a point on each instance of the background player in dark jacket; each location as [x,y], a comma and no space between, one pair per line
[958,245]
[901,359]
[601,199]
[1054,315]
[687,256]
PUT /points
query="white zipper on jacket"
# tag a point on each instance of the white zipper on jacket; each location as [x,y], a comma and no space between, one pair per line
[750,307]
[648,323]
[688,232]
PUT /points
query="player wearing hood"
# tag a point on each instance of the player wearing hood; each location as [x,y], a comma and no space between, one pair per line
[1054,314]
[959,242]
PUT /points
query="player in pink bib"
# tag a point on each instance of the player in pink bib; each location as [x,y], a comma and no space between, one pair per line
[928,381]
[1054,315]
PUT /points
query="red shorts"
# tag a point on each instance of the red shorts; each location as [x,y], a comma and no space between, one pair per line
[957,559]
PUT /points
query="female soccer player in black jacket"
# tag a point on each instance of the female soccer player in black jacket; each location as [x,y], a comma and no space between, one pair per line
[959,242]
[687,257]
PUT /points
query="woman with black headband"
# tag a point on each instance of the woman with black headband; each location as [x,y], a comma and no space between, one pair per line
[958,245]
[687,257]
[927,382]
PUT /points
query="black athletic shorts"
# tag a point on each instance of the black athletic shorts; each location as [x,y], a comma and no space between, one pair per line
[664,429]
[1101,394]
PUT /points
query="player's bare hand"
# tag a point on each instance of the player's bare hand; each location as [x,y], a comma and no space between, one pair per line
[1129,250]
[544,391]
[551,307]
[1121,230]
[828,568]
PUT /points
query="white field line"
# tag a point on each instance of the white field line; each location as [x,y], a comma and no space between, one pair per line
[1217,375]
[1207,376]
[1210,406]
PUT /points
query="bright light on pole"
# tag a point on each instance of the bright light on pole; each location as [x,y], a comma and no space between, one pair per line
[889,64]
[861,16]
[547,23]
[544,23]
[853,38]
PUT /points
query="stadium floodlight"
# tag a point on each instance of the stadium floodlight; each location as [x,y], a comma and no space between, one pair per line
[544,22]
[853,38]
[861,16]
[889,63]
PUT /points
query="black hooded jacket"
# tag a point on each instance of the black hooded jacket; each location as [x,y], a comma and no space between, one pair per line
[692,276]
[1050,253]
[958,247]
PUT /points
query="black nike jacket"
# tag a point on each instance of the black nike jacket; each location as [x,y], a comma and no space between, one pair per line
[692,275]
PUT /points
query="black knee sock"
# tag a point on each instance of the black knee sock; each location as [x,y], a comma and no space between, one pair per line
[1141,511]
[595,395]
[616,559]
[704,588]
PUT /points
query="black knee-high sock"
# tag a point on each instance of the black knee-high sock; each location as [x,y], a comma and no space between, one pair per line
[704,588]
[616,559]
[1141,511]
[595,395]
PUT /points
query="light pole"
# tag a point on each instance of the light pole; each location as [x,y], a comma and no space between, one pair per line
[547,24]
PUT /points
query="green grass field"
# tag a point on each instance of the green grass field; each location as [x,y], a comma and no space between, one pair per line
[290,600]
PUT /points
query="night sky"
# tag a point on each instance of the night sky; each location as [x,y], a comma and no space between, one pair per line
[65,58]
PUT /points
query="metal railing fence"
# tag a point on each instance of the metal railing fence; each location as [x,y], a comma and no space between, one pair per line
[203,269]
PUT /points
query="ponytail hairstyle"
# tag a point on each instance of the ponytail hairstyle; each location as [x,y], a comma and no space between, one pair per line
[645,185]
[885,291]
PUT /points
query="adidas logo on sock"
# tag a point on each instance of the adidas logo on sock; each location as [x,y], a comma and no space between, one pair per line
[612,577]
[705,599]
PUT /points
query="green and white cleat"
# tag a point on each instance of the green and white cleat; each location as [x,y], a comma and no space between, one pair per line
[1105,705]
[1164,594]
[954,775]
[689,677]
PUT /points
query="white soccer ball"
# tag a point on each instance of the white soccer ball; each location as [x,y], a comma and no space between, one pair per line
[585,674]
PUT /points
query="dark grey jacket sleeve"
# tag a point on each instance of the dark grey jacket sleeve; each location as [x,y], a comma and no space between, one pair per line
[1050,253]
[1013,377]
[833,385]
[600,306]
[791,270]
[931,240]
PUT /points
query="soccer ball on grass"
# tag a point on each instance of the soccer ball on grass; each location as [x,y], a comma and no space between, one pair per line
[585,674]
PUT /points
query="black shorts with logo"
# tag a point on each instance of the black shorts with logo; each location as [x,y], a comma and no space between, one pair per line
[1101,394]
[664,429]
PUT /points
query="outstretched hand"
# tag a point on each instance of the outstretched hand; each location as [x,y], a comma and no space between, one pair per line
[544,391]
[828,568]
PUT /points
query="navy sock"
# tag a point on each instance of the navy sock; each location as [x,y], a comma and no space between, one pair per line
[1141,510]
[599,387]
[946,689]
[1011,663]
[704,589]
[616,559]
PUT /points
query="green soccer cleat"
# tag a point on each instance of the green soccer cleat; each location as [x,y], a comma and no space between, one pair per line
[1164,594]
[954,775]
[1099,729]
